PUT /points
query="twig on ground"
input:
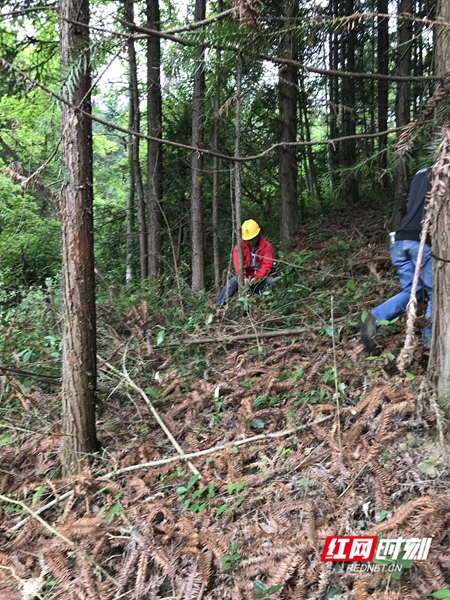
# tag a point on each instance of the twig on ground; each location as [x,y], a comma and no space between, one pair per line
[153,410]
[54,531]
[235,443]
[235,338]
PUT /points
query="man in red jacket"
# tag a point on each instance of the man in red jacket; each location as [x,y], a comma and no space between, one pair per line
[258,262]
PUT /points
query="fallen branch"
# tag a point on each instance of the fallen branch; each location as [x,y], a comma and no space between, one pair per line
[153,410]
[233,444]
[164,461]
[235,338]
[55,381]
[62,537]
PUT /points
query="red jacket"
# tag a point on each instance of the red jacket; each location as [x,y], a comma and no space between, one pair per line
[264,259]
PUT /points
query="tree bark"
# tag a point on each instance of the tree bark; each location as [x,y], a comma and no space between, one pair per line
[134,141]
[237,171]
[442,40]
[154,158]
[402,107]
[348,108]
[383,90]
[334,53]
[215,182]
[197,161]
[310,167]
[439,366]
[287,103]
[78,284]
[130,216]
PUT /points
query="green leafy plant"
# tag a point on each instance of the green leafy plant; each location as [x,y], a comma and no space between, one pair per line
[115,509]
[443,594]
[230,506]
[399,562]
[231,560]
[193,498]
[263,592]
[297,374]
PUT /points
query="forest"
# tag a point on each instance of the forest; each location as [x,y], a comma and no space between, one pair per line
[153,443]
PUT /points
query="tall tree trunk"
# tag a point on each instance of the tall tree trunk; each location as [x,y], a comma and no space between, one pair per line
[134,140]
[402,106]
[197,161]
[154,157]
[130,214]
[348,104]
[333,157]
[215,182]
[287,102]
[237,171]
[78,284]
[440,355]
[304,117]
[383,68]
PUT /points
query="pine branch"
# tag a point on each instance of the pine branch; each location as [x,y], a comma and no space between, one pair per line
[10,68]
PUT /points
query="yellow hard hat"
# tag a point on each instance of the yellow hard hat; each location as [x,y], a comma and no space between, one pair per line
[250,229]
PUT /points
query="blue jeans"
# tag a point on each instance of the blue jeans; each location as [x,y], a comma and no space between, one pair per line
[231,287]
[404,258]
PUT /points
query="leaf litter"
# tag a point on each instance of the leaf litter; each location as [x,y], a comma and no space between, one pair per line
[337,446]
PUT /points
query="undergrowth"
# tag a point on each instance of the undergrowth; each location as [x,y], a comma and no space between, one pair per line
[295,438]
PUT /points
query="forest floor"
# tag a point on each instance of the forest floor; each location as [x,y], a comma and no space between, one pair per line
[294,438]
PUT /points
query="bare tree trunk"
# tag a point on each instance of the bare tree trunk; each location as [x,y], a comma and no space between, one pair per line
[442,40]
[348,104]
[237,171]
[439,365]
[78,285]
[287,102]
[215,182]
[440,356]
[130,213]
[154,158]
[402,107]
[309,165]
[383,68]
[133,151]
[197,161]
[333,157]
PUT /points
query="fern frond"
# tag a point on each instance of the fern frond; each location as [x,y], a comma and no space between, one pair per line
[160,557]
[84,570]
[404,513]
[192,584]
[285,569]
[59,566]
[360,589]
[82,528]
[7,593]
[127,569]
[433,574]
[141,573]
[372,401]
[204,566]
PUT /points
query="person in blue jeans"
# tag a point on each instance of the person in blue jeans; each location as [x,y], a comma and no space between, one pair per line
[404,252]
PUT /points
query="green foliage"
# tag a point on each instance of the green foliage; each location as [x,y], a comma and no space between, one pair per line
[399,562]
[262,592]
[29,326]
[231,560]
[25,258]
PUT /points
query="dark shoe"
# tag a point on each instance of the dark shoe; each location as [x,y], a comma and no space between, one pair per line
[368,331]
